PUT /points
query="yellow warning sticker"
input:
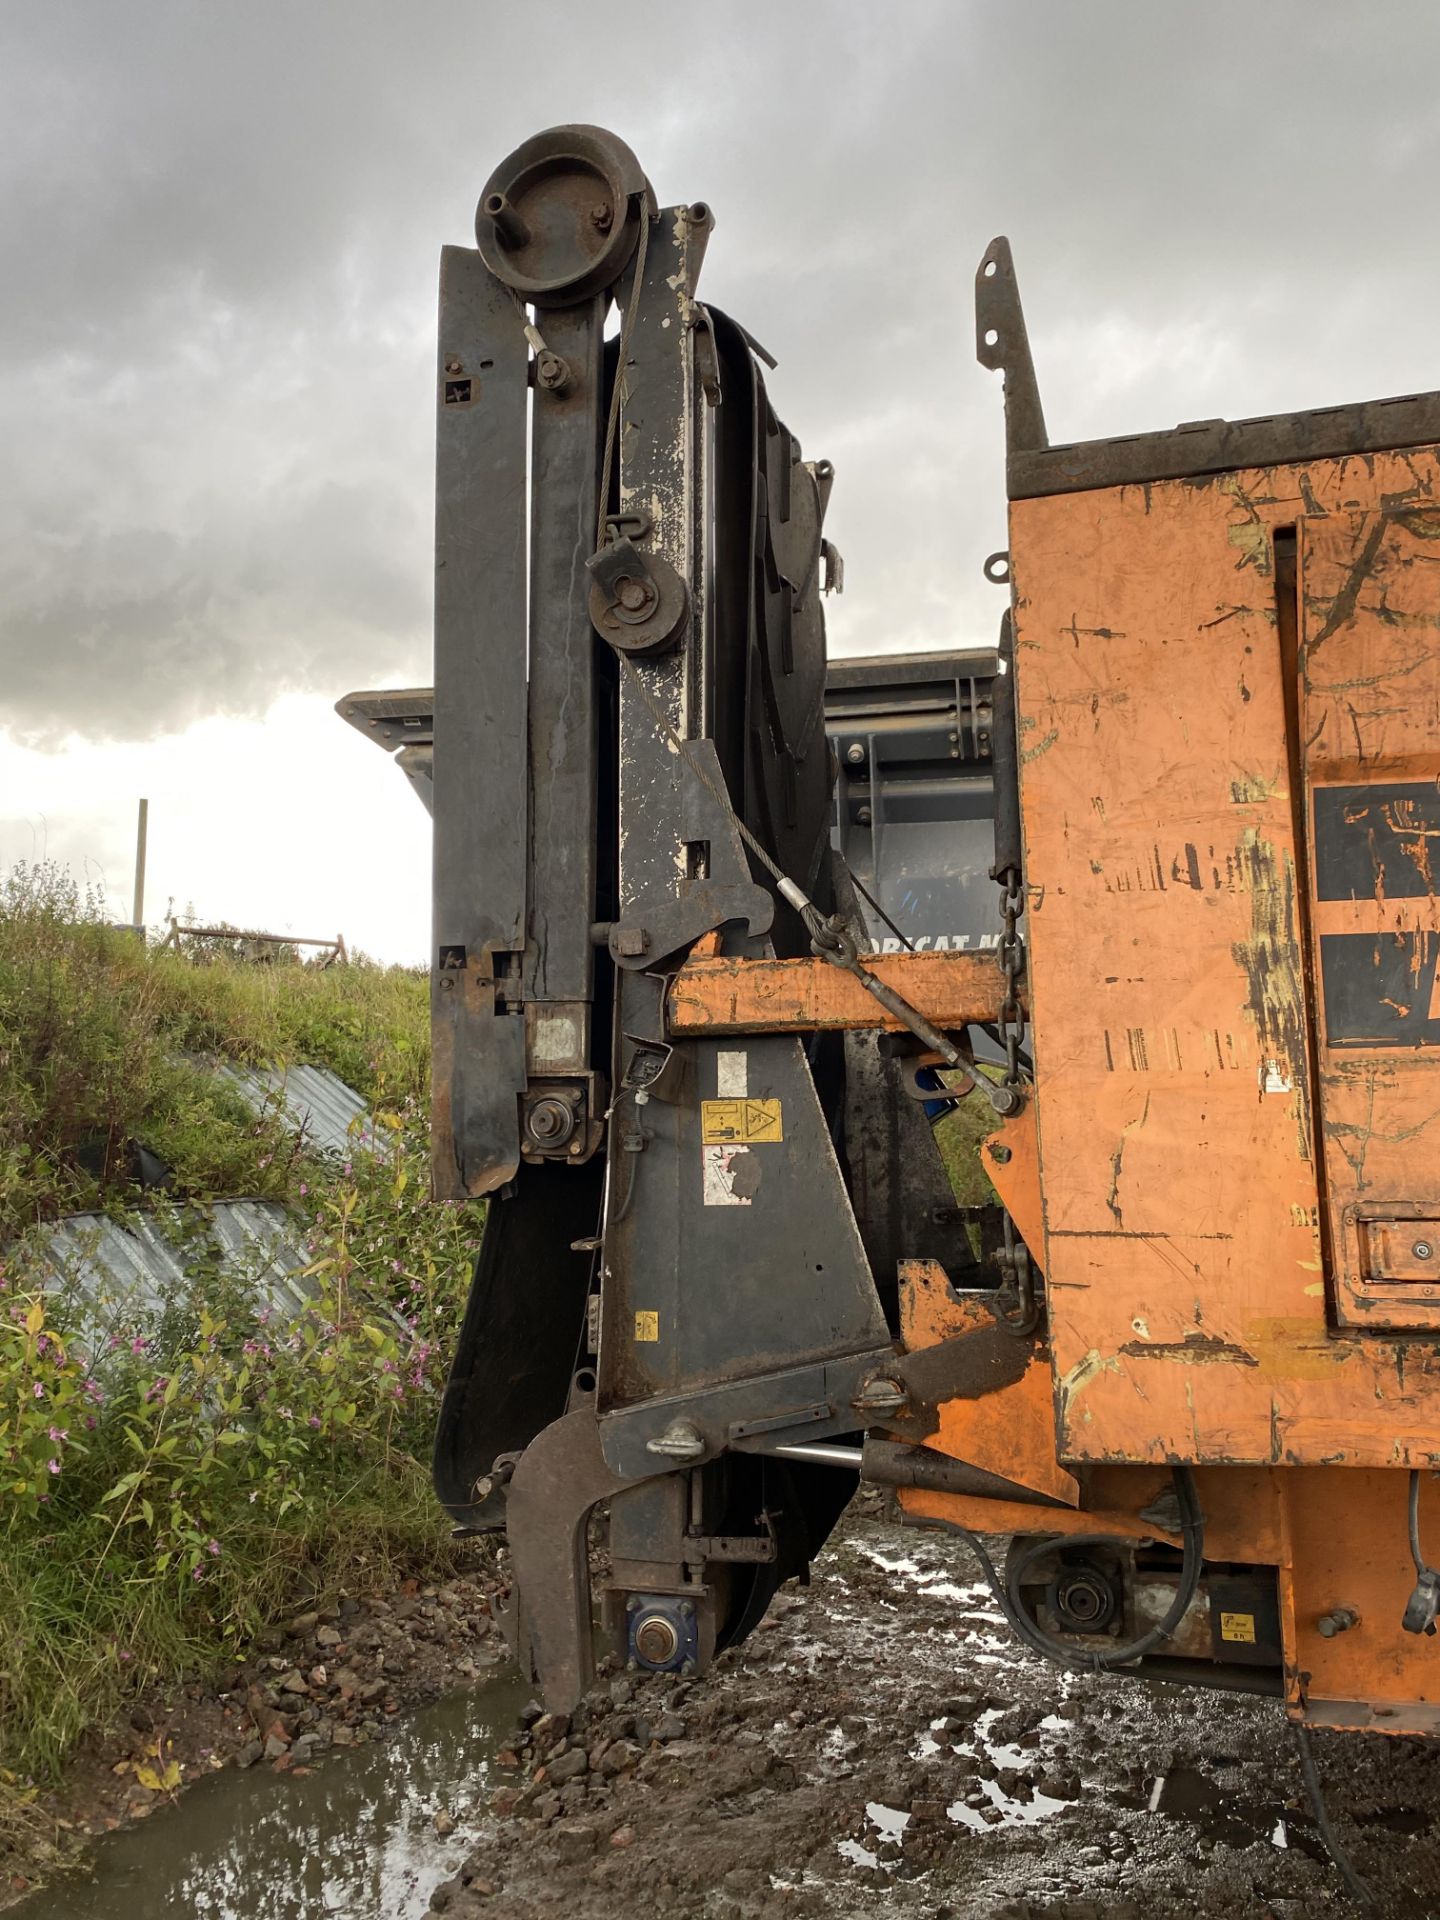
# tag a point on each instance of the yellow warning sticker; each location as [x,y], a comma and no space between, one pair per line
[647,1327]
[752,1123]
[1238,1626]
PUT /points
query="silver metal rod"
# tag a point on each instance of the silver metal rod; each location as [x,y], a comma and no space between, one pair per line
[820,1455]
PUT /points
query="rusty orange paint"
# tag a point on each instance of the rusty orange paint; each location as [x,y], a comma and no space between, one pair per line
[1010,1432]
[1241,1506]
[1331,1533]
[730,995]
[1177,1104]
[1011,1158]
[1343,1528]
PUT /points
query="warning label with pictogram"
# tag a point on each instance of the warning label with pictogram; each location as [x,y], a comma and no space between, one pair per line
[752,1123]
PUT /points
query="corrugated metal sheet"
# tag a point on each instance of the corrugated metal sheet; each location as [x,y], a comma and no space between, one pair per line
[117,1274]
[332,1117]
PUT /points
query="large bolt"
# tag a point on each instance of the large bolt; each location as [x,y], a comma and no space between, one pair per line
[635,596]
[1338,1620]
[880,1394]
[602,216]
[552,372]
[656,1640]
[855,753]
[1423,1250]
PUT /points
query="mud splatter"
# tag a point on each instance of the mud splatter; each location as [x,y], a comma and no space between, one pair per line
[1271,962]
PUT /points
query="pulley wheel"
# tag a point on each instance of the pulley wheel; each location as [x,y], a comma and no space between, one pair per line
[559,219]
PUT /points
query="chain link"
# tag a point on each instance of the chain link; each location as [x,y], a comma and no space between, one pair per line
[1010,1023]
[1018,1276]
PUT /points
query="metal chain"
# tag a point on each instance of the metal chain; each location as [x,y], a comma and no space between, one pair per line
[1008,1098]
[1010,1024]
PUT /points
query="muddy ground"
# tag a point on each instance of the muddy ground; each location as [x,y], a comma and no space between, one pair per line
[882,1747]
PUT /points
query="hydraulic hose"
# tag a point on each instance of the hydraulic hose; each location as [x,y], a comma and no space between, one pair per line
[1007,1592]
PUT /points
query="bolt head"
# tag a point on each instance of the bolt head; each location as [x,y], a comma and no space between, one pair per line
[855,753]
[602,216]
[1423,1250]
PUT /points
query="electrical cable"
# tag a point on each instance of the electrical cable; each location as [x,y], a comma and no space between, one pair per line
[1007,1592]
[1421,1565]
[1314,1793]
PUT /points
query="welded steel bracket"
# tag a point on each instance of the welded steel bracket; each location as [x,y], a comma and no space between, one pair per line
[1002,344]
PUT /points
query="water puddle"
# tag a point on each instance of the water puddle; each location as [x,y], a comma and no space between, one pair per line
[354,1839]
[1228,1818]
[889,1824]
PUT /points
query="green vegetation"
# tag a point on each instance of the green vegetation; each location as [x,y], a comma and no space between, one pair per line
[169,1484]
[960,1136]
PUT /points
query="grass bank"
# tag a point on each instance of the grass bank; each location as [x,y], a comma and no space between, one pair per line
[170,1485]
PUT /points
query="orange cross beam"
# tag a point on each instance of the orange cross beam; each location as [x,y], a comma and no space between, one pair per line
[718,995]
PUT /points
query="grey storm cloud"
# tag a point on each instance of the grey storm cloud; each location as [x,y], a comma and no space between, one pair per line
[219,230]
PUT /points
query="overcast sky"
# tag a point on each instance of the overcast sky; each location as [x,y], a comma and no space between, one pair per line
[219,234]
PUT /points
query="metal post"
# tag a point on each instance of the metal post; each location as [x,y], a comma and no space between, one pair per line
[137,917]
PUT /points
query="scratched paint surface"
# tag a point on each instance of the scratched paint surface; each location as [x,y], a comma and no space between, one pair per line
[1371,675]
[1175,1102]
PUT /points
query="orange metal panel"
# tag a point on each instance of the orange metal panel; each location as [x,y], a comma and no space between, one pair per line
[721,996]
[1170,998]
[1012,1161]
[1370,672]
[1010,1432]
[1347,1540]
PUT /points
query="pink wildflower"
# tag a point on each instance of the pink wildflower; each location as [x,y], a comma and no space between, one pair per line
[53,1465]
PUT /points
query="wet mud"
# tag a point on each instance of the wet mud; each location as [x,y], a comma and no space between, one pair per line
[880,1746]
